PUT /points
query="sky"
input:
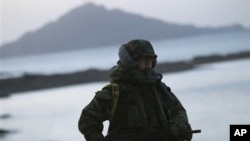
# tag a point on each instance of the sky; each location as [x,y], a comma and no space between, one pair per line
[18,17]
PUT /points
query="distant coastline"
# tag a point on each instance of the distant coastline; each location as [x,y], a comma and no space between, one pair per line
[30,82]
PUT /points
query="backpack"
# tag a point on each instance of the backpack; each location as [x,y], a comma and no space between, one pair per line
[115,93]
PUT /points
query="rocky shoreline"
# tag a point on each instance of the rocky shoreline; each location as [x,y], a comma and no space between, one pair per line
[30,82]
[4,132]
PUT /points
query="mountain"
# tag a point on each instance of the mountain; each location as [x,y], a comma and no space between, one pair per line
[94,26]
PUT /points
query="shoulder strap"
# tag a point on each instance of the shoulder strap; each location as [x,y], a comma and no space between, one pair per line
[115,93]
[166,90]
[164,122]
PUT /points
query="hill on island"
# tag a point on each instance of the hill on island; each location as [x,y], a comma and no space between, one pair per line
[95,26]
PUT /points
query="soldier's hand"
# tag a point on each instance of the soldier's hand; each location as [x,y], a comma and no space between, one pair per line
[181,130]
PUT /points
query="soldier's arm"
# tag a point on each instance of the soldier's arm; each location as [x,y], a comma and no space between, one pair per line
[91,120]
[178,120]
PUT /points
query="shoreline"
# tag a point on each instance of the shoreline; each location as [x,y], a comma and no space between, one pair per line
[3,131]
[30,82]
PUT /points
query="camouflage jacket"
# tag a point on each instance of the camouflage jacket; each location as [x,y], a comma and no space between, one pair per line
[138,108]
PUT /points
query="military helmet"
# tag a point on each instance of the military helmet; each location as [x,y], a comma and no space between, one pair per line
[136,48]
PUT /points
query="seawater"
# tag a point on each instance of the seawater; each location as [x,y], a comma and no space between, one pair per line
[105,57]
[214,95]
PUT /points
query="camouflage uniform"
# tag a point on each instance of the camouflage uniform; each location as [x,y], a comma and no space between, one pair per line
[143,99]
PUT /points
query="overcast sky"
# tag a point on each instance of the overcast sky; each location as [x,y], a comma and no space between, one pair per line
[21,16]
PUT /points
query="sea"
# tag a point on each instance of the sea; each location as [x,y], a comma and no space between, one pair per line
[215,95]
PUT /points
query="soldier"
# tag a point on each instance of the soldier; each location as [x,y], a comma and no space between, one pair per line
[138,105]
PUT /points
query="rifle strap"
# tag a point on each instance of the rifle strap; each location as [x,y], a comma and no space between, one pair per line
[164,122]
[115,93]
